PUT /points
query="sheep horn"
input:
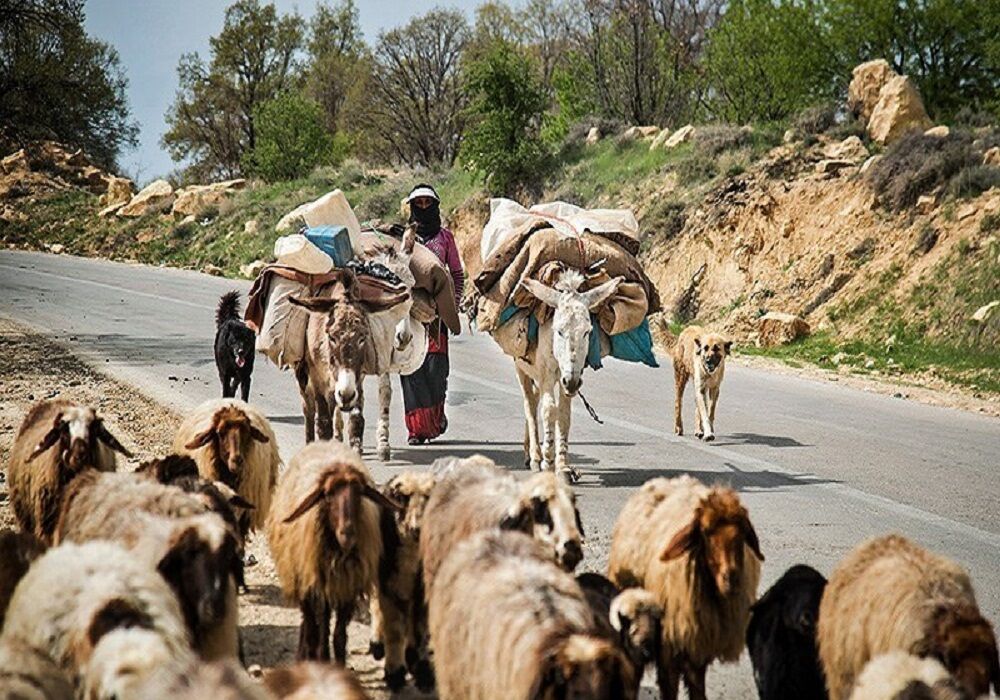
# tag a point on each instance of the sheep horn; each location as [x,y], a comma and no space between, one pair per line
[110,440]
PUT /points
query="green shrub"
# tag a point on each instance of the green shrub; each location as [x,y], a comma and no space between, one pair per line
[917,164]
[697,168]
[972,181]
[817,119]
[721,138]
[989,223]
[664,220]
[291,139]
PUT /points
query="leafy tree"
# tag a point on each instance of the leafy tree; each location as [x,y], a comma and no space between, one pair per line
[339,67]
[58,83]
[291,139]
[767,59]
[507,103]
[416,111]
[253,60]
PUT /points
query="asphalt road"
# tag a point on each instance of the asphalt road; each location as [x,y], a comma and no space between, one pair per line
[821,467]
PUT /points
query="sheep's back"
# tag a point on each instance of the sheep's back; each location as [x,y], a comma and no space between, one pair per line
[28,674]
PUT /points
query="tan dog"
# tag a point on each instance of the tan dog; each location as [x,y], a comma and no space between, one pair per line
[702,355]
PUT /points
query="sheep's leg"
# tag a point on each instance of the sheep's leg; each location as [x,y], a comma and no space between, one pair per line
[532,451]
[680,381]
[356,421]
[324,417]
[384,402]
[564,412]
[668,679]
[694,680]
[705,431]
[315,628]
[376,643]
[549,409]
[419,660]
[344,614]
[394,632]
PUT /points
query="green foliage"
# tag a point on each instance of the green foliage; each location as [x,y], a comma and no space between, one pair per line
[817,119]
[989,223]
[58,83]
[506,106]
[338,73]
[211,123]
[766,60]
[291,140]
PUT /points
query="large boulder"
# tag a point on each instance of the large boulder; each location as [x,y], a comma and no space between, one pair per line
[899,110]
[155,197]
[661,138]
[776,328]
[992,156]
[16,162]
[850,148]
[593,136]
[196,199]
[867,81]
[648,132]
[119,191]
[682,135]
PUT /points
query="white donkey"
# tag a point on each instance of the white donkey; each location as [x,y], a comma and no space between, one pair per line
[552,376]
[400,342]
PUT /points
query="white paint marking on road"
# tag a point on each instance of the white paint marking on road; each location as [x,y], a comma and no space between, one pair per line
[103,285]
[737,459]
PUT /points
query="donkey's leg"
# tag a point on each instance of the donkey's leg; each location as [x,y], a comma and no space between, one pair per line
[308,402]
[338,424]
[324,418]
[549,410]
[356,420]
[564,411]
[532,451]
[384,402]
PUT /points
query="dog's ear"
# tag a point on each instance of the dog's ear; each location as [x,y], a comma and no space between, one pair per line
[697,345]
[728,345]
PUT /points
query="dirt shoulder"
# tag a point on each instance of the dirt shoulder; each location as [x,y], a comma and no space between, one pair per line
[33,367]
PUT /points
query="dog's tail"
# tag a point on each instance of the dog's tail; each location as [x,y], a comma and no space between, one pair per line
[228,309]
[662,335]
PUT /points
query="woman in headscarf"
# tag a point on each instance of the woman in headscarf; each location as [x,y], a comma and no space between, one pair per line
[424,390]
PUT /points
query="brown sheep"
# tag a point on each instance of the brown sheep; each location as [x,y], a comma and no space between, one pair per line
[313,681]
[326,533]
[28,674]
[695,549]
[399,633]
[507,623]
[17,551]
[57,441]
[890,594]
[233,442]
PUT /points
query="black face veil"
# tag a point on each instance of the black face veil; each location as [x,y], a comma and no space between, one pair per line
[428,220]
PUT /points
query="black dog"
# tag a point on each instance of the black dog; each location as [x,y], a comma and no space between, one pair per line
[781,637]
[234,345]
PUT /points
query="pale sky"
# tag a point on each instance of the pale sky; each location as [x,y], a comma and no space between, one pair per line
[151,35]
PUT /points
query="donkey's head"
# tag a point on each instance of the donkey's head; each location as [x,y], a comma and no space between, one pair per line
[347,337]
[571,326]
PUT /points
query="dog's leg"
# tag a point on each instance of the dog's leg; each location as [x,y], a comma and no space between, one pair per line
[532,451]
[324,417]
[244,388]
[704,424]
[384,402]
[680,381]
[713,397]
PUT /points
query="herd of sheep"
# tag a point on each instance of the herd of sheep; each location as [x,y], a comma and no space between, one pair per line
[125,585]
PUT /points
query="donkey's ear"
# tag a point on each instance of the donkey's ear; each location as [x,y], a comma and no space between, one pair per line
[317,304]
[599,294]
[544,293]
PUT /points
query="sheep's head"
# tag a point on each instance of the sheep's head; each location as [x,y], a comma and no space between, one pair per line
[582,666]
[77,430]
[341,488]
[636,616]
[230,434]
[169,469]
[571,325]
[201,556]
[551,505]
[122,661]
[796,597]
[717,536]
[410,490]
[965,643]
[711,349]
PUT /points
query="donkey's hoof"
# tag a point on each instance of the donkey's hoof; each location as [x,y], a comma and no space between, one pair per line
[376,649]
[699,435]
[709,437]
[384,453]
[571,475]
[533,465]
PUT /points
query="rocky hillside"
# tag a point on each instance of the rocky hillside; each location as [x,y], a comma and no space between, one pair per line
[871,240]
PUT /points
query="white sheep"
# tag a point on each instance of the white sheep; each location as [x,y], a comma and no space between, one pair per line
[28,674]
[313,681]
[56,442]
[73,595]
[507,623]
[325,532]
[695,549]
[232,442]
[901,676]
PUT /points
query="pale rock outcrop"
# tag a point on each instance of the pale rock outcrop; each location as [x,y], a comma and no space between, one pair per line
[157,196]
[630,134]
[197,198]
[251,270]
[851,149]
[213,270]
[682,135]
[251,227]
[648,132]
[926,203]
[992,156]
[867,81]
[16,162]
[833,165]
[119,192]
[776,328]
[983,313]
[940,131]
[661,138]
[898,111]
[593,136]
[872,160]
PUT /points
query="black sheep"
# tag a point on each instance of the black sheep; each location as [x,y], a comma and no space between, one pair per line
[234,347]
[781,637]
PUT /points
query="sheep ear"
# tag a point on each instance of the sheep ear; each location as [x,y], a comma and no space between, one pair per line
[51,438]
[258,435]
[110,440]
[116,614]
[201,439]
[728,345]
[600,294]
[318,304]
[308,502]
[682,542]
[751,537]
[544,293]
[518,518]
[237,501]
[369,491]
